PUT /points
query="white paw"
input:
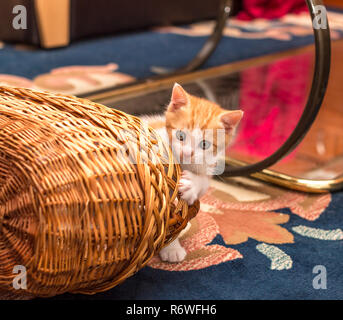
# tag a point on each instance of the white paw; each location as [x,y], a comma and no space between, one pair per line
[174,254]
[188,188]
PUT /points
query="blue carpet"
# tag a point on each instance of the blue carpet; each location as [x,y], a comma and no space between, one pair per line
[252,276]
[135,53]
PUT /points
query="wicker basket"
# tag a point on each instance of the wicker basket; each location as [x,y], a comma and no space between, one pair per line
[87,196]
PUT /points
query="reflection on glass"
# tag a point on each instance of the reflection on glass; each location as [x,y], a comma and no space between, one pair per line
[273,97]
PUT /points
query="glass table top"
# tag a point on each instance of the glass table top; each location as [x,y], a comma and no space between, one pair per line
[272,92]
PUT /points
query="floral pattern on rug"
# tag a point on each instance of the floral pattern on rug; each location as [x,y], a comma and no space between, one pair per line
[203,229]
[73,80]
[244,209]
[283,29]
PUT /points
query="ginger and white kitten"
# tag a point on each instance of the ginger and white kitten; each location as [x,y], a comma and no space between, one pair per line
[198,132]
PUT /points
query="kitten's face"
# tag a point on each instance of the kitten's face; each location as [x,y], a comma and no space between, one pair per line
[199,131]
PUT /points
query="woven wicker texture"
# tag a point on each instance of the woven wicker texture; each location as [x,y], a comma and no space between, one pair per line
[87,196]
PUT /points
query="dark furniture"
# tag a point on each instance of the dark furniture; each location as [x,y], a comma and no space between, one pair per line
[56,23]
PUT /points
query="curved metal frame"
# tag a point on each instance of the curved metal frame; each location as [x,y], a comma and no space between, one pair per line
[314,102]
[201,57]
[212,42]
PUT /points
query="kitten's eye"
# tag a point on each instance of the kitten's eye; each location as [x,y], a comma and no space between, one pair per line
[204,144]
[180,135]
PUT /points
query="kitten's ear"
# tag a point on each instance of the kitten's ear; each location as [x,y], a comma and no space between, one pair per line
[179,98]
[230,119]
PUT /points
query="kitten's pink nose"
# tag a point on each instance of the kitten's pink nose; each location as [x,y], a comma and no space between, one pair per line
[187,153]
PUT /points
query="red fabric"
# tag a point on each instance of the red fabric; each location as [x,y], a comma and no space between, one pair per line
[270,9]
[272,98]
